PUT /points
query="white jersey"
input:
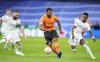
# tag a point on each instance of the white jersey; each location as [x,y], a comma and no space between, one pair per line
[78,31]
[8,24]
[80,26]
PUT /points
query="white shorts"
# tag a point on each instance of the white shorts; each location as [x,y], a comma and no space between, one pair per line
[76,40]
[12,35]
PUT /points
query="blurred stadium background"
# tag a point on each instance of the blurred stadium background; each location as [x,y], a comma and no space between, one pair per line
[66,10]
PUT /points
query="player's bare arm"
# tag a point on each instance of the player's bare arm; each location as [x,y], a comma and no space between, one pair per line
[72,31]
[42,28]
[59,25]
[91,34]
[22,31]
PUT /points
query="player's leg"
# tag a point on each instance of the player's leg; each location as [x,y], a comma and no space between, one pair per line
[56,44]
[3,39]
[19,45]
[10,40]
[49,43]
[5,36]
[73,47]
[17,41]
[57,47]
[48,38]
[82,42]
[20,48]
[72,43]
[6,46]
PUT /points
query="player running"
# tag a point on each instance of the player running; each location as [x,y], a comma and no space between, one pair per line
[9,29]
[6,16]
[76,34]
[47,25]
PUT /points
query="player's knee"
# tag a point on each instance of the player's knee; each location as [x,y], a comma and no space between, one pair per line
[82,42]
[49,44]
[55,39]
[73,46]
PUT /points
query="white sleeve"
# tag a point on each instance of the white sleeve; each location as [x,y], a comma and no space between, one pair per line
[18,22]
[76,21]
[11,21]
[88,27]
[4,18]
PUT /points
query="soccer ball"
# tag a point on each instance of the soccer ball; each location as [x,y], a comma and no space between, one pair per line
[47,50]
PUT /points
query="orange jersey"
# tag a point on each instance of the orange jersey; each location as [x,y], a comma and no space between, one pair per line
[88,21]
[48,23]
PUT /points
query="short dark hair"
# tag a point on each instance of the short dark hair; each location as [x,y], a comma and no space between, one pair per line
[48,9]
[86,14]
[16,11]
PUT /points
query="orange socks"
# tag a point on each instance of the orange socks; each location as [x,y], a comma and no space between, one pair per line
[53,49]
[57,47]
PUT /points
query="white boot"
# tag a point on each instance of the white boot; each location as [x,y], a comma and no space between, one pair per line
[21,54]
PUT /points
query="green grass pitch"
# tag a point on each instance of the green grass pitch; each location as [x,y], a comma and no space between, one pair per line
[34,51]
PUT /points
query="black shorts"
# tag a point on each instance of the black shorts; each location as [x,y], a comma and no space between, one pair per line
[49,35]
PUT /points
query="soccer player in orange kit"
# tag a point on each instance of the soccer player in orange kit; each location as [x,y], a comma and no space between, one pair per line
[47,25]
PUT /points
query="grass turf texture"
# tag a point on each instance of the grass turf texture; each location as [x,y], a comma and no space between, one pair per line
[34,51]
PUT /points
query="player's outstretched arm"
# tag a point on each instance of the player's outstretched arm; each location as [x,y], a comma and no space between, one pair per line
[41,26]
[72,31]
[59,25]
[22,31]
[92,35]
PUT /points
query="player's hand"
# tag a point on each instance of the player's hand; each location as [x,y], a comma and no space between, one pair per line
[94,39]
[60,31]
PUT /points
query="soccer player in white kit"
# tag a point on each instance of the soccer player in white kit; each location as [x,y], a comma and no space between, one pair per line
[11,34]
[76,34]
[6,16]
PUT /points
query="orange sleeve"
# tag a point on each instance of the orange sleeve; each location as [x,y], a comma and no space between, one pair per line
[56,18]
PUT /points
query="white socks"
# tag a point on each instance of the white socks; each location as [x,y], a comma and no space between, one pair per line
[19,47]
[88,50]
[73,50]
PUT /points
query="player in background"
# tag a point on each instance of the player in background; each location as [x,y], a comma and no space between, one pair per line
[10,31]
[76,34]
[7,14]
[47,25]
